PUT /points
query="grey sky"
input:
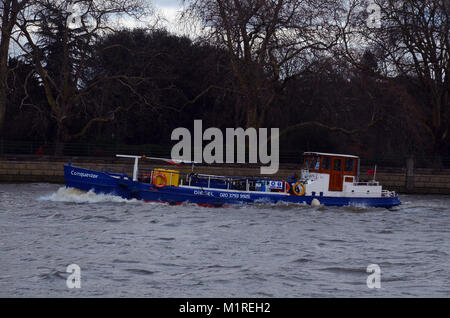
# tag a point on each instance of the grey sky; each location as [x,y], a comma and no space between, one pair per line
[170,10]
[167,3]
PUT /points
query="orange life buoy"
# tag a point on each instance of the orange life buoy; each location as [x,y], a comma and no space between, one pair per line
[164,180]
[294,188]
[287,187]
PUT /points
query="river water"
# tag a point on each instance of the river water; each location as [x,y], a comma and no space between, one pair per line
[135,249]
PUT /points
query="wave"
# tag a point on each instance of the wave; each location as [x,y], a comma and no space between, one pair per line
[64,194]
[264,203]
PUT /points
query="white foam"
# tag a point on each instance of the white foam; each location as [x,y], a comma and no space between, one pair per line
[64,194]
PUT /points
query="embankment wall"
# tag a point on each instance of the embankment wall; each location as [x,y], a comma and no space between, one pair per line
[18,169]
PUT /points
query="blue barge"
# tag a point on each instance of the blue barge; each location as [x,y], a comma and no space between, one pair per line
[328,179]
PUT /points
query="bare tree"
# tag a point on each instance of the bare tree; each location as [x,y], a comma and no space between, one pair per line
[269,42]
[9,10]
[411,41]
[71,30]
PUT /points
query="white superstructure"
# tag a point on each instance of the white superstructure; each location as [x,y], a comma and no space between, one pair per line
[337,175]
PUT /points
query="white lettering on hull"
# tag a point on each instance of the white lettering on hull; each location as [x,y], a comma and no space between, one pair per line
[83,174]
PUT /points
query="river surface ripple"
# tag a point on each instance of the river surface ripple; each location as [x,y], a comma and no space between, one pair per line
[134,249]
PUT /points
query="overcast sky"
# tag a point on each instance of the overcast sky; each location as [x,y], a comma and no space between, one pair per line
[169,9]
[167,3]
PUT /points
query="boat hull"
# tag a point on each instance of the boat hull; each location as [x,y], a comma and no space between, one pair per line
[120,185]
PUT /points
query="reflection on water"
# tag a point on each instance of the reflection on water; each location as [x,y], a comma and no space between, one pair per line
[127,248]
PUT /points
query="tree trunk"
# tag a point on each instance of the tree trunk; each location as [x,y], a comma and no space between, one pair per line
[252,117]
[4,49]
[61,138]
[2,103]
[437,148]
[11,8]
[252,106]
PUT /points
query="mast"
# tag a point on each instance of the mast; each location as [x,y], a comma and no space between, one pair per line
[135,167]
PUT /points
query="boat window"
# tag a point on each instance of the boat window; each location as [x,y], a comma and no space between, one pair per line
[349,165]
[325,163]
[306,163]
[313,163]
[337,165]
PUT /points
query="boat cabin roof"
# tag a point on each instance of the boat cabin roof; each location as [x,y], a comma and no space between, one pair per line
[329,163]
[328,154]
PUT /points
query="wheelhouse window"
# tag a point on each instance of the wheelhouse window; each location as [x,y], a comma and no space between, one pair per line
[326,163]
[306,163]
[337,165]
[349,165]
[314,163]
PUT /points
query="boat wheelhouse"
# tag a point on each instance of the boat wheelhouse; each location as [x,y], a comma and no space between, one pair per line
[327,174]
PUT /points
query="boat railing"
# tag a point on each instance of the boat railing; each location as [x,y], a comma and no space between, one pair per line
[205,180]
[114,170]
[366,183]
[145,175]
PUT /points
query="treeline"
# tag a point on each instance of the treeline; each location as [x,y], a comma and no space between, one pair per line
[256,64]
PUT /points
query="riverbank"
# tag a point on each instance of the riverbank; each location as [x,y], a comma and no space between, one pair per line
[23,169]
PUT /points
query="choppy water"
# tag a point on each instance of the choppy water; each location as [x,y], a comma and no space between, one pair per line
[132,249]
